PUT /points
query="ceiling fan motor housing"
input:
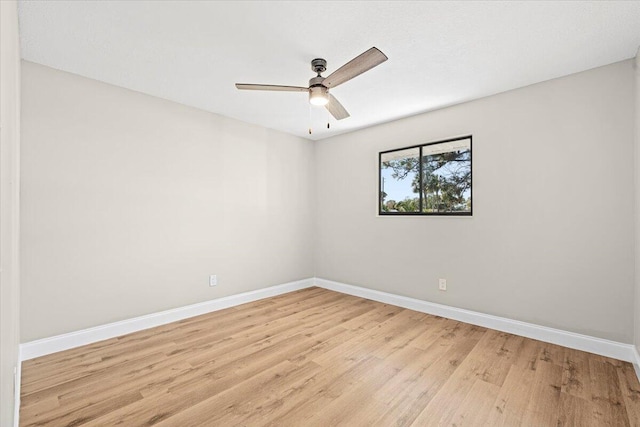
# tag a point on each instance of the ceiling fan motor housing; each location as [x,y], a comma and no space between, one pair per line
[318,65]
[316,81]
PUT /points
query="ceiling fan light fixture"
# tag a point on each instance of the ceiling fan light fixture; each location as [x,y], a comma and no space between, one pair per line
[318,95]
[318,88]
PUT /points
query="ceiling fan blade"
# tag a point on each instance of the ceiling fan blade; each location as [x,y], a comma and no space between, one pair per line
[248,86]
[355,67]
[336,109]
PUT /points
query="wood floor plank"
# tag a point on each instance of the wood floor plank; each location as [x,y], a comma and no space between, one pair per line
[317,358]
[328,389]
[510,405]
[606,394]
[544,400]
[116,349]
[84,391]
[576,412]
[503,349]
[477,405]
[217,408]
[372,340]
[410,395]
[442,408]
[87,383]
[340,410]
[267,400]
[191,387]
[528,355]
[630,390]
[576,376]
[285,411]
[84,414]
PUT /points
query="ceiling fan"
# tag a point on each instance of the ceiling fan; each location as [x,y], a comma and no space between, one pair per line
[319,86]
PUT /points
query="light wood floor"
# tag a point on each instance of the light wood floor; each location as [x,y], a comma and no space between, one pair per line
[317,357]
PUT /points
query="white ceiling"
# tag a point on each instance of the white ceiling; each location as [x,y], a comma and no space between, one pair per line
[440,53]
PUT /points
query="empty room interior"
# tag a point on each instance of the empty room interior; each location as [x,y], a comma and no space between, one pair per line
[432,218]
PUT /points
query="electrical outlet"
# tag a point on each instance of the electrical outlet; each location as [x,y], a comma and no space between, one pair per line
[442,284]
[213,280]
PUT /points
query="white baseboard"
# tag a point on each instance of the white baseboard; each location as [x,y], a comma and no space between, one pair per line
[636,362]
[613,349]
[70,340]
[616,350]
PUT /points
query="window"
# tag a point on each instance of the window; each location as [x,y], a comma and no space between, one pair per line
[428,179]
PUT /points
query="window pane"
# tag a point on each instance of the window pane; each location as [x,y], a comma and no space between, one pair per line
[446,182]
[399,181]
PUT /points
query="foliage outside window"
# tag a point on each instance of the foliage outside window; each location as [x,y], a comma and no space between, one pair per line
[428,179]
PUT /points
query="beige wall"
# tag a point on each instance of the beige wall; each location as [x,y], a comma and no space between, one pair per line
[130,202]
[550,241]
[9,207]
[637,196]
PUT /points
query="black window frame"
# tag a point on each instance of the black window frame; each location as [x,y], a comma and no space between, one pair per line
[419,146]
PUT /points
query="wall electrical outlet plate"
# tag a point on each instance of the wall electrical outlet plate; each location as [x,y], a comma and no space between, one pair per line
[213,280]
[442,284]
